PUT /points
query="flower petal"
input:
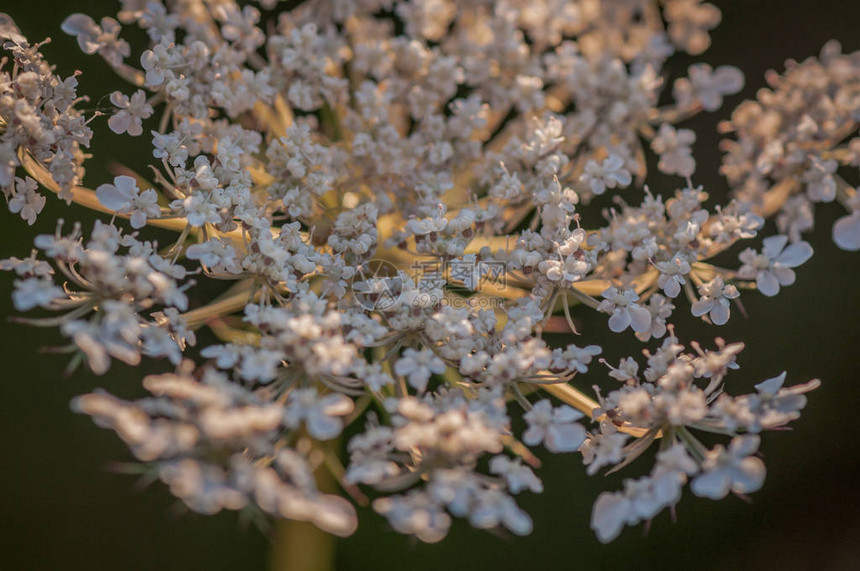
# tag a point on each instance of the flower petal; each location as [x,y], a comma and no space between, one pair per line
[564,437]
[609,515]
[771,386]
[744,445]
[640,318]
[620,320]
[713,485]
[701,307]
[113,199]
[773,245]
[767,283]
[795,255]
[846,232]
[119,122]
[79,24]
[720,312]
[672,287]
[749,476]
[785,276]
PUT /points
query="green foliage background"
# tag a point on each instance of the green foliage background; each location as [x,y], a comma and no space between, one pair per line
[61,508]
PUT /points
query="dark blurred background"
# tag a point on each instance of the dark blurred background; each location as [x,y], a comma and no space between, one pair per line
[61,507]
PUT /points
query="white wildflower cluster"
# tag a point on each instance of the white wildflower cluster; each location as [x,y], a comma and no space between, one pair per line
[112,283]
[211,441]
[677,394]
[38,122]
[438,441]
[395,201]
[797,143]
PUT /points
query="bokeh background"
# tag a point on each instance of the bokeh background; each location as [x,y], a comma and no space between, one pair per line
[62,508]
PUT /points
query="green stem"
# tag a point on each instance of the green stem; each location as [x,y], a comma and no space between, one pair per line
[301,546]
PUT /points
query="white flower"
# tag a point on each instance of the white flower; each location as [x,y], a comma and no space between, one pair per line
[676,458]
[215,253]
[35,292]
[820,184]
[707,86]
[661,309]
[731,224]
[169,147]
[226,356]
[574,358]
[28,267]
[641,499]
[93,38]
[610,513]
[611,173]
[421,227]
[518,476]
[628,370]
[774,405]
[198,209]
[26,200]
[260,365]
[123,197]
[674,149]
[688,407]
[689,22]
[672,274]
[320,414]
[715,300]
[154,62]
[772,268]
[603,449]
[494,507]
[846,230]
[415,513]
[132,111]
[569,270]
[624,310]
[369,462]
[418,366]
[733,470]
[556,428]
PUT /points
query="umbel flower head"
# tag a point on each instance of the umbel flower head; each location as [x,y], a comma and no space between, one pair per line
[399,199]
